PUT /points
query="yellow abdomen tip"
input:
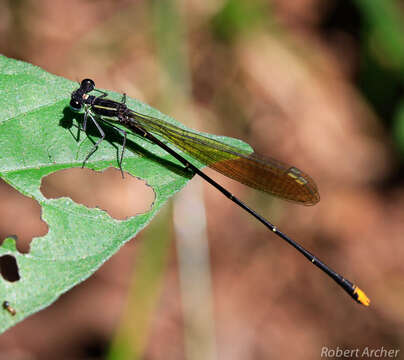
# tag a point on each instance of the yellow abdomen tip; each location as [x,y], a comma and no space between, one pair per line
[361,297]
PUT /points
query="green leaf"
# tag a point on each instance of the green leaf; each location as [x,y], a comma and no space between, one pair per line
[36,139]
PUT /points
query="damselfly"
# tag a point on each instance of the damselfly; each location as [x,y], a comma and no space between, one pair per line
[265,174]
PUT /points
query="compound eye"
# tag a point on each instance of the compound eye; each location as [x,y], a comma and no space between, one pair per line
[75,105]
[87,85]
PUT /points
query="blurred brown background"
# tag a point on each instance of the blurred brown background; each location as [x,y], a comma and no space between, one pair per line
[316,83]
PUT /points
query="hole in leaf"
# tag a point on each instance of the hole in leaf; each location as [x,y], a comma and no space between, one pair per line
[9,268]
[120,198]
[20,215]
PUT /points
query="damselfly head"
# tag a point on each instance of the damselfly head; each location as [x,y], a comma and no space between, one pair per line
[78,96]
[75,105]
[87,85]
